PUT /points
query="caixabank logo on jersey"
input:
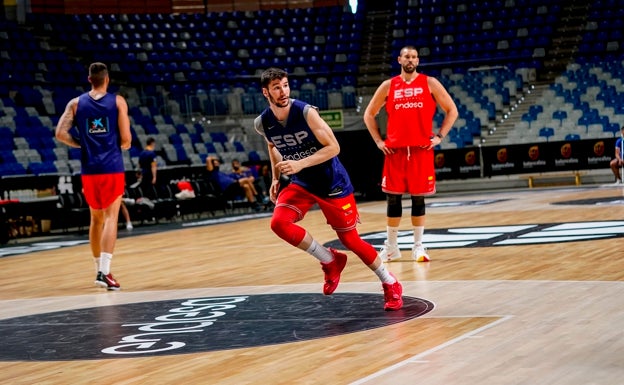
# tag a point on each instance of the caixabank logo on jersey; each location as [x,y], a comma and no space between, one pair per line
[195,325]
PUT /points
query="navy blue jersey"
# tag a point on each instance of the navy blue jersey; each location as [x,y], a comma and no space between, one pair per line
[96,121]
[146,158]
[296,141]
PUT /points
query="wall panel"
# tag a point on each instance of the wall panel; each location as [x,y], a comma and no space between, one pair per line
[47,6]
[187,6]
[168,6]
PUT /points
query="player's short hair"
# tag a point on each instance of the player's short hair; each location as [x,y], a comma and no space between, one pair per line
[271,74]
[408,48]
[97,73]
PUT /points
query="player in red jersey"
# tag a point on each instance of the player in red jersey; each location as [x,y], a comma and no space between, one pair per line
[411,100]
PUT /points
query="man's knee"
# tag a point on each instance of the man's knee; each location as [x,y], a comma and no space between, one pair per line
[287,230]
[394,208]
[418,206]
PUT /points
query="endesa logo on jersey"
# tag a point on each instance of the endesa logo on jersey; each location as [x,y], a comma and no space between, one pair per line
[398,106]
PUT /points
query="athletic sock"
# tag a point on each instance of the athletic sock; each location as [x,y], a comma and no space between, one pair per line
[97,264]
[418,234]
[392,235]
[105,262]
[384,275]
[319,252]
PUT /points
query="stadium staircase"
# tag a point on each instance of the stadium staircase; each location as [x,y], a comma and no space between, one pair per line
[374,66]
[566,38]
[514,115]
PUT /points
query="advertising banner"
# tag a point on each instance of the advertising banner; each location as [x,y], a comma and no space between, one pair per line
[460,163]
[502,160]
[547,156]
[597,153]
[567,155]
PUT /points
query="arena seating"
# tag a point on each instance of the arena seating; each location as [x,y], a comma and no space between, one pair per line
[182,71]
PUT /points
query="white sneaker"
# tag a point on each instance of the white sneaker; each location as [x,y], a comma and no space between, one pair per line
[129,226]
[389,252]
[419,253]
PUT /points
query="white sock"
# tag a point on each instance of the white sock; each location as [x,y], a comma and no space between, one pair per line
[418,234]
[105,262]
[97,264]
[393,235]
[319,252]
[384,275]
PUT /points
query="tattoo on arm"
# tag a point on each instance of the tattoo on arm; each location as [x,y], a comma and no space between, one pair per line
[66,122]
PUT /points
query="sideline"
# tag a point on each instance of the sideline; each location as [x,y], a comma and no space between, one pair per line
[29,245]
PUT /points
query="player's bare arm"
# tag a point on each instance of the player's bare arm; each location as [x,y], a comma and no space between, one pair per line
[446,103]
[324,135]
[154,167]
[66,122]
[374,106]
[275,157]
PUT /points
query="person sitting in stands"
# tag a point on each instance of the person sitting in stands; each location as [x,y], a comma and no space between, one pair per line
[245,174]
[230,186]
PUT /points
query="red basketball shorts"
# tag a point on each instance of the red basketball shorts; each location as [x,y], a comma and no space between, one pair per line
[341,213]
[409,170]
[102,189]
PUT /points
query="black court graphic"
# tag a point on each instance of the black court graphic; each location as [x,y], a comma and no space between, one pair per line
[490,236]
[196,325]
[605,201]
[480,202]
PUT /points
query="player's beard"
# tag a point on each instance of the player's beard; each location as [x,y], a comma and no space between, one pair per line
[276,103]
[409,68]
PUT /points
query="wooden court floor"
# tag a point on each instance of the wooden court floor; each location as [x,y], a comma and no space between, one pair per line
[527,287]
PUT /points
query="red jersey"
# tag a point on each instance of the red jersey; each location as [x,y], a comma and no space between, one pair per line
[410,109]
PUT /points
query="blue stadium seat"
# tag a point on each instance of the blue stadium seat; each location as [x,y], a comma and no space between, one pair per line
[210,148]
[239,146]
[572,137]
[546,132]
[219,137]
[254,157]
[12,169]
[175,139]
[47,154]
[6,156]
[181,153]
[37,168]
[560,115]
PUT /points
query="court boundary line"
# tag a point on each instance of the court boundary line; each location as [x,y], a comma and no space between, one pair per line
[427,352]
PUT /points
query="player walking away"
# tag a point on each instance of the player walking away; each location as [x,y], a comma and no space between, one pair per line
[104,131]
[303,148]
